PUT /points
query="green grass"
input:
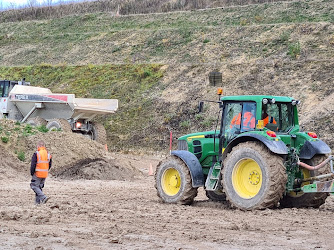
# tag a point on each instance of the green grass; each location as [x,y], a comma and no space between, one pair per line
[130,84]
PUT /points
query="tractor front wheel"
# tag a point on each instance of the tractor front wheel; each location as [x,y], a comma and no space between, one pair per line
[253,177]
[173,182]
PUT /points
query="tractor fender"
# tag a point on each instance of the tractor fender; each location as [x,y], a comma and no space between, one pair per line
[193,165]
[277,147]
[312,148]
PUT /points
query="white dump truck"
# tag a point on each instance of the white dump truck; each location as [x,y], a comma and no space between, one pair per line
[39,106]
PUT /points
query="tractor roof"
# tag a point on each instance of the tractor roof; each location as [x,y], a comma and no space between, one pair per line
[256,98]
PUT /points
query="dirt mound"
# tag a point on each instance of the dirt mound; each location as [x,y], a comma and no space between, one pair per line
[11,167]
[97,169]
[73,155]
[77,157]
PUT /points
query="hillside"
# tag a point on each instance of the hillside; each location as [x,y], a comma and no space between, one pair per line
[157,65]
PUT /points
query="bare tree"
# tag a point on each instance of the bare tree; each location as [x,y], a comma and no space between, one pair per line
[32,3]
[48,3]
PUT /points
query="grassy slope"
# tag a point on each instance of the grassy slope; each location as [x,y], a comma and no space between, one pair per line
[278,48]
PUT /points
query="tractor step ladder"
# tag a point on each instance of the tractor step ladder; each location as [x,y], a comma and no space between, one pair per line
[214,177]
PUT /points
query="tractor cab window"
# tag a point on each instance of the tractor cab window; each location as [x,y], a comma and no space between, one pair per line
[238,117]
[278,117]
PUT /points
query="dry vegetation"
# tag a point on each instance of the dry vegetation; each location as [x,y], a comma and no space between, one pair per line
[118,7]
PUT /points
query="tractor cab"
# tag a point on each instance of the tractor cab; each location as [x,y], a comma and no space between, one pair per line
[268,116]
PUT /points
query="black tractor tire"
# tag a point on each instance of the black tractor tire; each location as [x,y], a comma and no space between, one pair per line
[56,124]
[173,182]
[36,121]
[218,195]
[253,177]
[307,200]
[99,133]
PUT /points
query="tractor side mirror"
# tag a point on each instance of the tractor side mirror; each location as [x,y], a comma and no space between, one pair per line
[200,106]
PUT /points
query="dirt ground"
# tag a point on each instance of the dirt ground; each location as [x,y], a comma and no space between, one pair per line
[110,213]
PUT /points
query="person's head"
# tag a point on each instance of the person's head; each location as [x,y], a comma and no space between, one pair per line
[40,144]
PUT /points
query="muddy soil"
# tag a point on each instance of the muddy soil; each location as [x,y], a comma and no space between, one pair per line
[127,214]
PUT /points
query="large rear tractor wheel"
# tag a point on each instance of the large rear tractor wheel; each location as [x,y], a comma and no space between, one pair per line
[253,177]
[59,124]
[302,200]
[36,121]
[173,182]
[99,133]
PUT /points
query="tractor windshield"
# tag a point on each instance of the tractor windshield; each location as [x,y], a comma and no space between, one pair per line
[278,117]
[239,117]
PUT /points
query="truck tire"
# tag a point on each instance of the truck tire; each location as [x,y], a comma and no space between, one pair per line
[302,200]
[36,121]
[56,124]
[99,133]
[173,182]
[253,177]
[218,195]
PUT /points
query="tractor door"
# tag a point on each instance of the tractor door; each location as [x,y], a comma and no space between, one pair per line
[238,117]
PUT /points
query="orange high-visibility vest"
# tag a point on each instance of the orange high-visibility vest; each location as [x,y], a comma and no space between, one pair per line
[248,121]
[42,165]
[266,120]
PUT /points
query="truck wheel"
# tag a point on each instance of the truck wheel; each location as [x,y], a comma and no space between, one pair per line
[99,133]
[173,182]
[253,177]
[56,124]
[218,195]
[302,200]
[37,121]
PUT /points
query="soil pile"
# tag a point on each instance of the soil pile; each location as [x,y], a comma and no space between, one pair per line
[10,166]
[73,155]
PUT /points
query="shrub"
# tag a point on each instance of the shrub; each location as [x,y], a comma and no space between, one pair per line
[4,139]
[21,156]
[294,50]
[42,129]
[185,124]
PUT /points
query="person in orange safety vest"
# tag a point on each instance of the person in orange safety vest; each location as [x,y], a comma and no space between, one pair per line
[40,164]
[267,118]
[248,121]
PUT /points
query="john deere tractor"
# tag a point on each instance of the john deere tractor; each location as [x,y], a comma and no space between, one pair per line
[259,158]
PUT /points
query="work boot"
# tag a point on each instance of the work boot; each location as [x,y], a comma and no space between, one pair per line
[44,200]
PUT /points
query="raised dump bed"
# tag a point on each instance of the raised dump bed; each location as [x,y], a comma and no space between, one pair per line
[39,106]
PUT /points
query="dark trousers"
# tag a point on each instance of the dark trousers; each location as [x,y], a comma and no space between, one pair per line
[37,184]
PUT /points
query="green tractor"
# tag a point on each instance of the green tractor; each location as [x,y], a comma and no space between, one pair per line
[259,158]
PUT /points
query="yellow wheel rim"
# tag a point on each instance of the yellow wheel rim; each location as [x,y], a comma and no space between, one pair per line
[247,178]
[171,181]
[306,174]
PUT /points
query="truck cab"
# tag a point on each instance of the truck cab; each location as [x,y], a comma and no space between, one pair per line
[5,87]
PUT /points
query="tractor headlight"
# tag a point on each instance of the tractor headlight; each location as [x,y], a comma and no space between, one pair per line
[265,101]
[273,100]
[294,102]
